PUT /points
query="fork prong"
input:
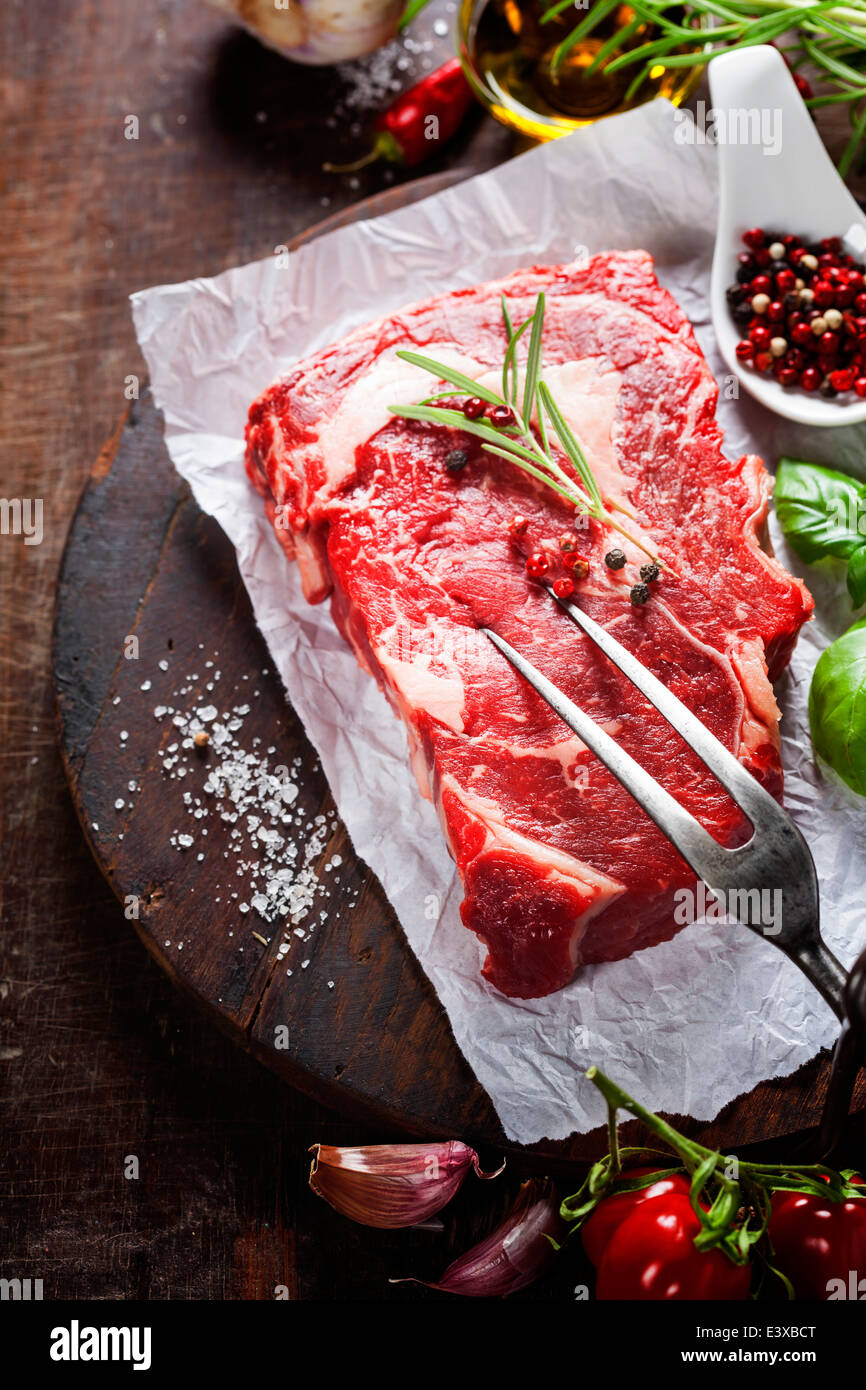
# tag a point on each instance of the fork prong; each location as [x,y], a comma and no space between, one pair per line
[748,793]
[704,854]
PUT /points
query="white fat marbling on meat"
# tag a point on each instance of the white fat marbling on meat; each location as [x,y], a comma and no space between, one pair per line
[363,410]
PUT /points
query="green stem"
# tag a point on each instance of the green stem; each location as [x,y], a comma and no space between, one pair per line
[692,1154]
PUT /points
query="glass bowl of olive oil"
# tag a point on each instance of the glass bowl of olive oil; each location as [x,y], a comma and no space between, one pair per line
[507,48]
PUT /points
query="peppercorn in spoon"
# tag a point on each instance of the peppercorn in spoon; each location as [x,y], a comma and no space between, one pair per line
[785,314]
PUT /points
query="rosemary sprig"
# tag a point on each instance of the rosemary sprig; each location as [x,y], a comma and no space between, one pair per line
[829,34]
[516,442]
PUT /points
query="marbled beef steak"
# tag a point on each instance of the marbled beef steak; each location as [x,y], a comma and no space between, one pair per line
[559,865]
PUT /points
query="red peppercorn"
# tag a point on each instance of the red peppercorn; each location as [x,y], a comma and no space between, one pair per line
[563,588]
[761,336]
[828,343]
[824,293]
[811,379]
[787,376]
[501,416]
[762,256]
[762,284]
[785,281]
[763,361]
[860,386]
[518,525]
[473,407]
[744,350]
[775,311]
[576,564]
[539,564]
[842,379]
[860,304]
[802,334]
[754,238]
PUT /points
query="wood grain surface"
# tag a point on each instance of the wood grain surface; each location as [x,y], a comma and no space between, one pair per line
[100,1056]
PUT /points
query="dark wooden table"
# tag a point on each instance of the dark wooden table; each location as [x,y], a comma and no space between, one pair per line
[100,1059]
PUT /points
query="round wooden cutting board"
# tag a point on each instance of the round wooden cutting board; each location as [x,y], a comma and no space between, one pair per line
[149,593]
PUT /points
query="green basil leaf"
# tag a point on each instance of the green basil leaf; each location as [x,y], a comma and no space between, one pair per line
[822,512]
[837,706]
[857,576]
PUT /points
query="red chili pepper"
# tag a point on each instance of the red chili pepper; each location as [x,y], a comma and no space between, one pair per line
[420,121]
[651,1255]
[610,1213]
[816,1242]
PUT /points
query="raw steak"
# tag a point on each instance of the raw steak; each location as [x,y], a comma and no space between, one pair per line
[559,866]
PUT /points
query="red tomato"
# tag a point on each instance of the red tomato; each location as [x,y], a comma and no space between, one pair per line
[652,1256]
[816,1240]
[598,1228]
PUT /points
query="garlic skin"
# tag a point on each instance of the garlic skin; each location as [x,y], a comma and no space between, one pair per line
[514,1255]
[392,1185]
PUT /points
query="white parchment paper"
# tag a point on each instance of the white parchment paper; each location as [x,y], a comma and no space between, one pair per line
[685,1026]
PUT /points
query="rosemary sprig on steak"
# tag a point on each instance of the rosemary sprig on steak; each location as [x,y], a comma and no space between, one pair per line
[506,429]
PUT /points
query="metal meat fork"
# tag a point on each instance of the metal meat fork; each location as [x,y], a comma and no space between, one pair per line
[776,857]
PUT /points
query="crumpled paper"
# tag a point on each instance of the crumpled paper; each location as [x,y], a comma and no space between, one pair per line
[692,1023]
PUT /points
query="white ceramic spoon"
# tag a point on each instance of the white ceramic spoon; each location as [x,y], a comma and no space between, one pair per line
[794,190]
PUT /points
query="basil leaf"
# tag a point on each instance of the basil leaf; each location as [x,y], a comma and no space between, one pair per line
[837,706]
[822,512]
[857,577]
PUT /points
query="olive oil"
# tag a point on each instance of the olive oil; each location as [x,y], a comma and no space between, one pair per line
[508,55]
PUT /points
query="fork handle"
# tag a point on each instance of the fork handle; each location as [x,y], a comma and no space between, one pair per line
[826,973]
[847,1059]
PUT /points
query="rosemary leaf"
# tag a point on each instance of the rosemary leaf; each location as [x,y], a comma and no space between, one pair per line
[533,360]
[456,420]
[834,66]
[597,12]
[413,8]
[570,444]
[573,497]
[853,144]
[458,379]
[509,329]
[510,365]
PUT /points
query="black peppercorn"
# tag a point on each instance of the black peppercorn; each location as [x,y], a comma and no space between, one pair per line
[639,593]
[614,559]
[650,573]
[457,459]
